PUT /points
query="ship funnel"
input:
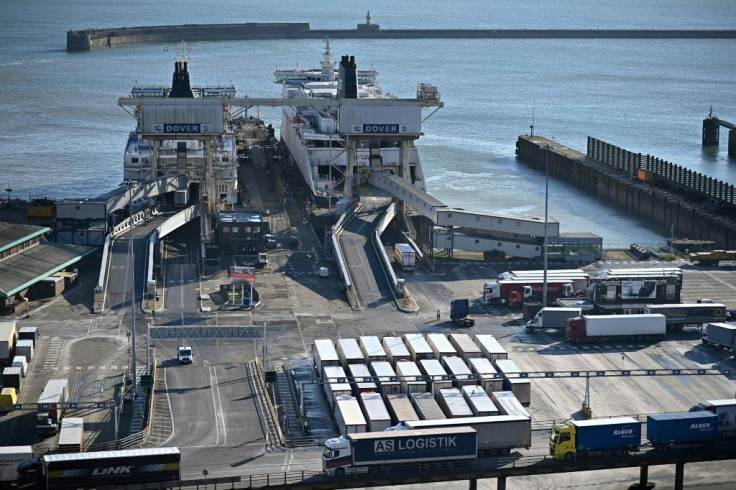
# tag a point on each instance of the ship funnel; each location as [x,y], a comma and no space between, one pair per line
[181,88]
[348,78]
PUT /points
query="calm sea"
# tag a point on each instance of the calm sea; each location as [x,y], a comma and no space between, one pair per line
[62,133]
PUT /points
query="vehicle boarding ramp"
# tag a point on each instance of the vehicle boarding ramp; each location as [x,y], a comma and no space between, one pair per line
[457,228]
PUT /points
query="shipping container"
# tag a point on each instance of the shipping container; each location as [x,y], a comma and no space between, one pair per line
[348,351]
[372,349]
[679,428]
[324,354]
[490,347]
[465,346]
[20,362]
[486,374]
[479,401]
[388,382]
[374,409]
[335,383]
[418,347]
[441,347]
[411,379]
[361,379]
[458,371]
[348,416]
[24,348]
[396,350]
[453,404]
[28,333]
[508,404]
[12,377]
[437,377]
[400,408]
[514,380]
[426,407]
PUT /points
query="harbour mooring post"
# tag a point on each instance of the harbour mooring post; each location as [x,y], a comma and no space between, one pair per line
[711,130]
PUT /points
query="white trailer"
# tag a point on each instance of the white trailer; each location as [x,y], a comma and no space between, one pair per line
[10,458]
[490,347]
[335,383]
[453,404]
[361,379]
[426,406]
[465,346]
[726,411]
[487,376]
[418,347]
[514,382]
[440,345]
[722,335]
[596,328]
[437,377]
[375,412]
[396,350]
[388,382]
[348,416]
[479,401]
[410,377]
[552,317]
[508,404]
[348,351]
[400,408]
[324,354]
[458,371]
[372,349]
[405,256]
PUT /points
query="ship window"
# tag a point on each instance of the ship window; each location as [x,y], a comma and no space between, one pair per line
[235,229]
[134,160]
[226,229]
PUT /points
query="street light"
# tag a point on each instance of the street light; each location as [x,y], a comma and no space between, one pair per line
[131,266]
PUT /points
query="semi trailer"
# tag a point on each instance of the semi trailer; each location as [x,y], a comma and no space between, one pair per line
[722,335]
[405,256]
[514,292]
[595,437]
[681,315]
[552,317]
[601,328]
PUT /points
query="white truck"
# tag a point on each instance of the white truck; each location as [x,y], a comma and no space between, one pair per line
[10,458]
[458,371]
[437,377]
[396,350]
[514,382]
[388,382]
[465,346]
[551,317]
[479,402]
[599,328]
[488,378]
[411,379]
[440,345]
[426,407]
[348,415]
[418,347]
[375,412]
[348,351]
[324,354]
[405,256]
[185,355]
[726,411]
[453,404]
[722,335]
[508,404]
[372,349]
[400,408]
[335,384]
[491,347]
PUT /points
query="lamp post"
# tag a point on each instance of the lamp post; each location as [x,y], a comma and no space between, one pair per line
[131,266]
[546,224]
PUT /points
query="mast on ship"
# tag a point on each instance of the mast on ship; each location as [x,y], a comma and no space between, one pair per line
[328,63]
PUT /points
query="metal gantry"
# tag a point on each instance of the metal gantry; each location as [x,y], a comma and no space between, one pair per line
[244,332]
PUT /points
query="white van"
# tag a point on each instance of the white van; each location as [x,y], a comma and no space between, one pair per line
[22,363]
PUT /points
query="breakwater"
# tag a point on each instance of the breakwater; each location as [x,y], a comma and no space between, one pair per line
[676,200]
[91,39]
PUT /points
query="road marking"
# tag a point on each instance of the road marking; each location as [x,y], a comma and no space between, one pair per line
[217,407]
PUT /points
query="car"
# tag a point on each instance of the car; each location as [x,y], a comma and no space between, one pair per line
[706,301]
[185,355]
[323,272]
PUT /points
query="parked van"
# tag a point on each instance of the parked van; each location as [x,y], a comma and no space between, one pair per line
[8,398]
[22,363]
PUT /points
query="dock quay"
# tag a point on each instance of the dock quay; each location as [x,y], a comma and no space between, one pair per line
[679,201]
[93,39]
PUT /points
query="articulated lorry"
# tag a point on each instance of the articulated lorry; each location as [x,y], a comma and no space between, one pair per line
[551,317]
[376,451]
[51,406]
[714,257]
[405,256]
[10,458]
[722,335]
[515,292]
[601,328]
[158,467]
[683,314]
[725,409]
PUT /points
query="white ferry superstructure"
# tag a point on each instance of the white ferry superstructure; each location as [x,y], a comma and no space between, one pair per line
[311,137]
[188,155]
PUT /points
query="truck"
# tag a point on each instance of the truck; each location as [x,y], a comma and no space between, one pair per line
[388,382]
[595,437]
[508,404]
[479,401]
[348,351]
[665,430]
[515,381]
[28,333]
[376,451]
[437,377]
[375,412]
[460,313]
[12,377]
[722,335]
[324,354]
[490,347]
[681,315]
[426,406]
[405,256]
[513,292]
[51,406]
[8,399]
[453,404]
[396,350]
[601,328]
[348,416]
[440,345]
[10,458]
[552,318]
[418,347]
[71,435]
[725,409]
[372,349]
[361,379]
[497,434]
[458,371]
[185,355]
[486,375]
[335,383]
[713,257]
[152,466]
[410,377]
[465,347]
[8,339]
[400,408]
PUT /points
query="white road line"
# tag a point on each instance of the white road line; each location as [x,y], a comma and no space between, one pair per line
[171,412]
[217,406]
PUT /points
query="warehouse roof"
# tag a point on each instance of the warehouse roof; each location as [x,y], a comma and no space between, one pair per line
[11,234]
[22,270]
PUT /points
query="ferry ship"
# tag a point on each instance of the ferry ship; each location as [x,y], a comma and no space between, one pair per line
[311,135]
[146,159]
